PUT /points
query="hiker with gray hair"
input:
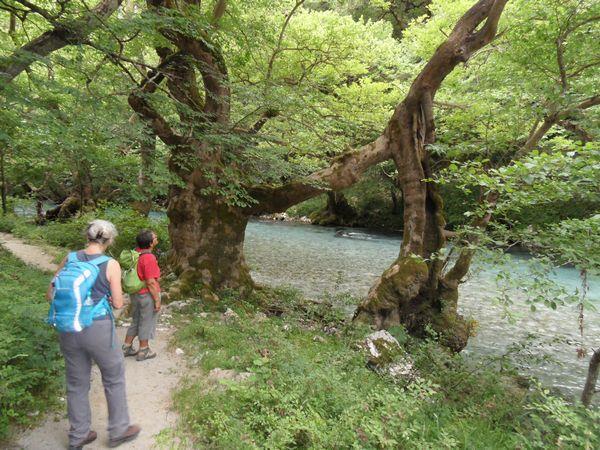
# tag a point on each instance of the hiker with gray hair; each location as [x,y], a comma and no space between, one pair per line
[85,286]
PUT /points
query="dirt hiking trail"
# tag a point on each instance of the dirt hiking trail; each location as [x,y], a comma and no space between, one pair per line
[149,383]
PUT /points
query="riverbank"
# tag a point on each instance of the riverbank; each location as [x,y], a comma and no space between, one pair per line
[276,371]
[499,294]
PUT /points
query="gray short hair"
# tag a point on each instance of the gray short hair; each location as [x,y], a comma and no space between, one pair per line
[101,231]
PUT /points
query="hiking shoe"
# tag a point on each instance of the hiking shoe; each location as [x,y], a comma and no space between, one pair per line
[129,351]
[130,434]
[145,353]
[91,437]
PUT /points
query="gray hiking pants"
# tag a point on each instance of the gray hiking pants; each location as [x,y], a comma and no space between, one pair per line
[143,317]
[79,349]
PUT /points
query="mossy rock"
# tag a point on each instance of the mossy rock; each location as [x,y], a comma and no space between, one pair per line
[382,348]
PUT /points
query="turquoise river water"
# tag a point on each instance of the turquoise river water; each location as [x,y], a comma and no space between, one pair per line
[321,259]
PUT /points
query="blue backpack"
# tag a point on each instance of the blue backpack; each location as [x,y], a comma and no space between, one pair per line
[72,308]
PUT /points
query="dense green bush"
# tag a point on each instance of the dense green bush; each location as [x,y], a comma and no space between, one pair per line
[70,234]
[8,222]
[31,366]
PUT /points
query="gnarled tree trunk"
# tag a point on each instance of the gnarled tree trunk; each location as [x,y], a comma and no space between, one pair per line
[337,211]
[413,291]
[207,238]
[206,232]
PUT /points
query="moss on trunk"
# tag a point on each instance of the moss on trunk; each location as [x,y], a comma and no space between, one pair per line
[207,238]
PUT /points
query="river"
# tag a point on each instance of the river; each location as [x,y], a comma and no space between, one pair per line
[318,259]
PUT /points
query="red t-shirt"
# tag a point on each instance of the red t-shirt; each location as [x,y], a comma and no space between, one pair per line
[147,268]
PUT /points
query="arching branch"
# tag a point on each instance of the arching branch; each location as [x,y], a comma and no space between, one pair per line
[63,34]
[344,171]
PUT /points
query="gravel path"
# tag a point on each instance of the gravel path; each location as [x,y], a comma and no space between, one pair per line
[149,383]
[30,254]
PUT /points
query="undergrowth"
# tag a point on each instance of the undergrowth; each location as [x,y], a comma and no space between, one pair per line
[310,388]
[31,367]
[70,234]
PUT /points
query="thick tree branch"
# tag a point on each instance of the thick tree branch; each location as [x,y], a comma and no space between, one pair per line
[209,60]
[583,135]
[591,379]
[550,120]
[63,34]
[264,118]
[218,11]
[344,171]
[462,264]
[140,104]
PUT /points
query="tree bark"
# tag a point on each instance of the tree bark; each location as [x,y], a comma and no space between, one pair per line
[551,119]
[592,378]
[337,211]
[207,238]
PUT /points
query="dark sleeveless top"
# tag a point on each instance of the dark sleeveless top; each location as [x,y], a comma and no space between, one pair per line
[101,286]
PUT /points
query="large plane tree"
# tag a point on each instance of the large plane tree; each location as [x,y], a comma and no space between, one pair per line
[207,231]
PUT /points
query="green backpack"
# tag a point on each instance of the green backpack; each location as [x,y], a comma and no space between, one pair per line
[129,279]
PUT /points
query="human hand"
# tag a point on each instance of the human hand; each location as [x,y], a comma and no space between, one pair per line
[156,306]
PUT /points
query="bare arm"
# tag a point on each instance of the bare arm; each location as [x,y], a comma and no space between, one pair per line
[113,274]
[50,290]
[153,287]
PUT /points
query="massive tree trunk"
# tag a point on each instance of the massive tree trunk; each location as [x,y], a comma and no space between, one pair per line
[207,238]
[413,291]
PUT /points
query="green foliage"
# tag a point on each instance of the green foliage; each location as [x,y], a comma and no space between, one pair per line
[70,234]
[574,241]
[554,421]
[310,389]
[31,366]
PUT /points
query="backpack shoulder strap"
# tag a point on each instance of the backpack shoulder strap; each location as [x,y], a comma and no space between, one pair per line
[72,257]
[100,260]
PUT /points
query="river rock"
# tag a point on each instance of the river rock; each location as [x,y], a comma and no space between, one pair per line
[277,216]
[230,314]
[381,348]
[385,355]
[260,317]
[179,304]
